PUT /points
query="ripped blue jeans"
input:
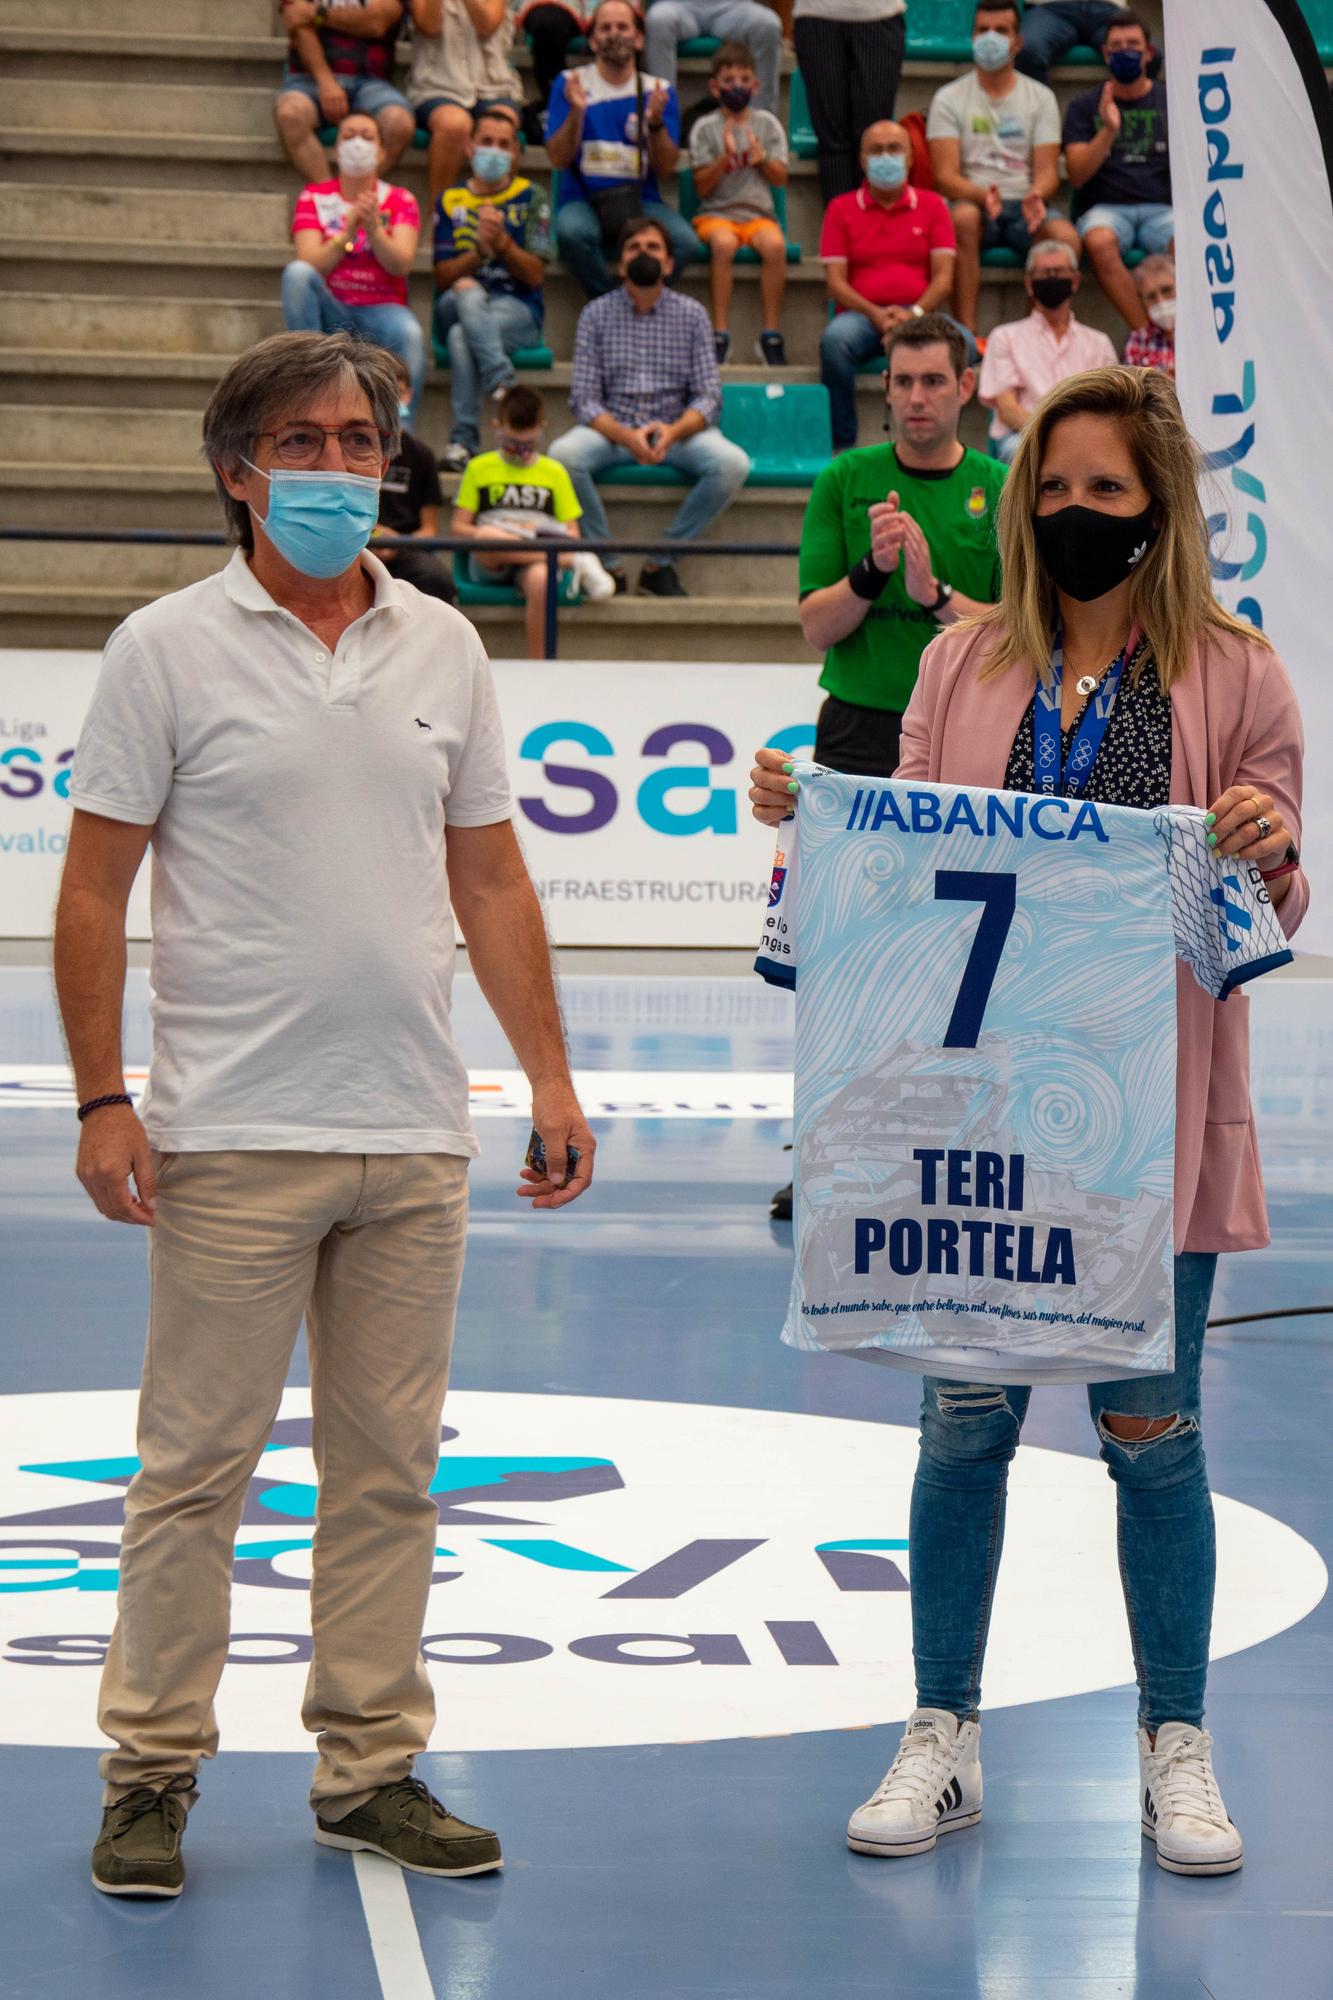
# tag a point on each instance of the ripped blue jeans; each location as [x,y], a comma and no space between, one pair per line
[1164,1512]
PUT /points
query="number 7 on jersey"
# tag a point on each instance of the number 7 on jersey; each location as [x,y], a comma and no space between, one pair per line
[997,895]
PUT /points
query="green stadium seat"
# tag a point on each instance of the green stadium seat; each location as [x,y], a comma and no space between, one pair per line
[688,197]
[784,426]
[537,357]
[1319,14]
[800,132]
[474,588]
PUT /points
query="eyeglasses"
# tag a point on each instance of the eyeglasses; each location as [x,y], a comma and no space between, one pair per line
[303,444]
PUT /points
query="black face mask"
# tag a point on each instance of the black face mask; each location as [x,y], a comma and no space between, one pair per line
[615,49]
[1087,552]
[1052,291]
[736,96]
[643,268]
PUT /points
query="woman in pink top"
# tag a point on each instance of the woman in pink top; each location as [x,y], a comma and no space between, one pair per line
[355,240]
[1104,545]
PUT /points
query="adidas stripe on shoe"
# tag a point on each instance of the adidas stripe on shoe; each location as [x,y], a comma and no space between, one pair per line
[1180,1805]
[933,1786]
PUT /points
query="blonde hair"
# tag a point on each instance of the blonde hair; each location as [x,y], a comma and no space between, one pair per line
[1171,596]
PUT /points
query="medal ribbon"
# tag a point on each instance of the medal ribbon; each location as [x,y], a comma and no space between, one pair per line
[1051,772]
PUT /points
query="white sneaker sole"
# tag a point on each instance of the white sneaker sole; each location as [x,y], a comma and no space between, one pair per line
[135,1888]
[890,1850]
[1226,1867]
[354,1846]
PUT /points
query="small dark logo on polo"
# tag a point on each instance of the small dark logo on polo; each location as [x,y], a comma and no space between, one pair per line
[420,724]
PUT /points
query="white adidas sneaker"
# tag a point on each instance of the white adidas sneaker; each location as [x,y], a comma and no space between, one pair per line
[933,1786]
[1181,1807]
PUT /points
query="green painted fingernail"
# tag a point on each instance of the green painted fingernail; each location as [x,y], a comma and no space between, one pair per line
[788,769]
[793,786]
[1209,819]
[1212,840]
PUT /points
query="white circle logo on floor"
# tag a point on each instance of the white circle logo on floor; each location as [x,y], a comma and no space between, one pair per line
[607,1572]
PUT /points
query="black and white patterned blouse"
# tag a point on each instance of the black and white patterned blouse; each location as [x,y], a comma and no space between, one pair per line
[1133,765]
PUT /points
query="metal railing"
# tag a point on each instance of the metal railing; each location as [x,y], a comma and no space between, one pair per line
[551,548]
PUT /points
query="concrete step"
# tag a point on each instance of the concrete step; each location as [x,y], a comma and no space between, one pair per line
[147,18]
[624,628]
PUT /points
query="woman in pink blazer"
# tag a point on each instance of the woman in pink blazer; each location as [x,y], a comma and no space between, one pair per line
[1106,587]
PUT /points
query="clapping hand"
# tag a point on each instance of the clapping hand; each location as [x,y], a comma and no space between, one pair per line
[1108,109]
[895,537]
[657,104]
[490,229]
[1034,211]
[576,97]
[992,206]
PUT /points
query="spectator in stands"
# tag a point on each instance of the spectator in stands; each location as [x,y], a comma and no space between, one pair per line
[1026,357]
[611,130]
[460,69]
[550,26]
[738,155]
[1051,28]
[670,22]
[645,391]
[888,252]
[339,59]
[515,493]
[850,54]
[995,152]
[355,241]
[410,501]
[1154,345]
[1116,156]
[492,243]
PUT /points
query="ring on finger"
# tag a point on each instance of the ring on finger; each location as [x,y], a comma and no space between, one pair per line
[1265,826]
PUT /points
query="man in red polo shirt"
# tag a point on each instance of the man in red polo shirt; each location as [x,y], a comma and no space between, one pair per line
[888,252]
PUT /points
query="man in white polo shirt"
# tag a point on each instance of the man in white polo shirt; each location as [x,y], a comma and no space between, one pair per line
[314,750]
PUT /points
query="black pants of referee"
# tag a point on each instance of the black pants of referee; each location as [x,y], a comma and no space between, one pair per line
[863,742]
[851,71]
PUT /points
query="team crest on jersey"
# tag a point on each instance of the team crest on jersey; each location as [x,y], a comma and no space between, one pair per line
[976,502]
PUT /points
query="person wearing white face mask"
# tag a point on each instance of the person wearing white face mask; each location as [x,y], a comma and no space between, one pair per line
[888,255]
[314,748]
[1154,345]
[355,240]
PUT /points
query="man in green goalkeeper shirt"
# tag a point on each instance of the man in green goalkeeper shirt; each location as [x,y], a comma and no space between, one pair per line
[898,542]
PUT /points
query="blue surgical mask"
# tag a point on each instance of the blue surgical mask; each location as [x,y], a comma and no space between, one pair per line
[491,163]
[990,49]
[404,411]
[1125,65]
[319,522]
[886,170]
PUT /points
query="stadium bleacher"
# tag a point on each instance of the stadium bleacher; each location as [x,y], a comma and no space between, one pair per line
[146,219]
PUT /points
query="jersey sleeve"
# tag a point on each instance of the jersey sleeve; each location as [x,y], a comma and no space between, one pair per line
[564,500]
[833,240]
[469,490]
[939,225]
[705,142]
[944,120]
[445,246]
[305,215]
[402,210]
[998,369]
[823,558]
[1046,123]
[126,756]
[1222,915]
[771,133]
[1081,119]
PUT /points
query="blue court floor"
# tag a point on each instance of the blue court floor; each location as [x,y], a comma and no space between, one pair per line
[637,1428]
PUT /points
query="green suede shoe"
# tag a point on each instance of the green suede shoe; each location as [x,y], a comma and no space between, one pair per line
[138,1851]
[405,1823]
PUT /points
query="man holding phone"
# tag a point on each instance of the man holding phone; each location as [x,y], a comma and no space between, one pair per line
[646,391]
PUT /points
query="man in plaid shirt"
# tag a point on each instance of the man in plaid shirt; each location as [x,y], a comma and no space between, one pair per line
[646,391]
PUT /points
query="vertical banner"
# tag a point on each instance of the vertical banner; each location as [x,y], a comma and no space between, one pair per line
[1252,185]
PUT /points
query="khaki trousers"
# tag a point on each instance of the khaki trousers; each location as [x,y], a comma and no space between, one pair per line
[370,1249]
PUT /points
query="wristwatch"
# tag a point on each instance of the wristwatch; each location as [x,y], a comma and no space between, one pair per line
[946,592]
[321,17]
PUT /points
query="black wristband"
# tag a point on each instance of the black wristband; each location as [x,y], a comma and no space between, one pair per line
[96,1103]
[866,581]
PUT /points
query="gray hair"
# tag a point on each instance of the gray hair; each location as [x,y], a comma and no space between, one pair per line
[1065,250]
[1156,266]
[278,377]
